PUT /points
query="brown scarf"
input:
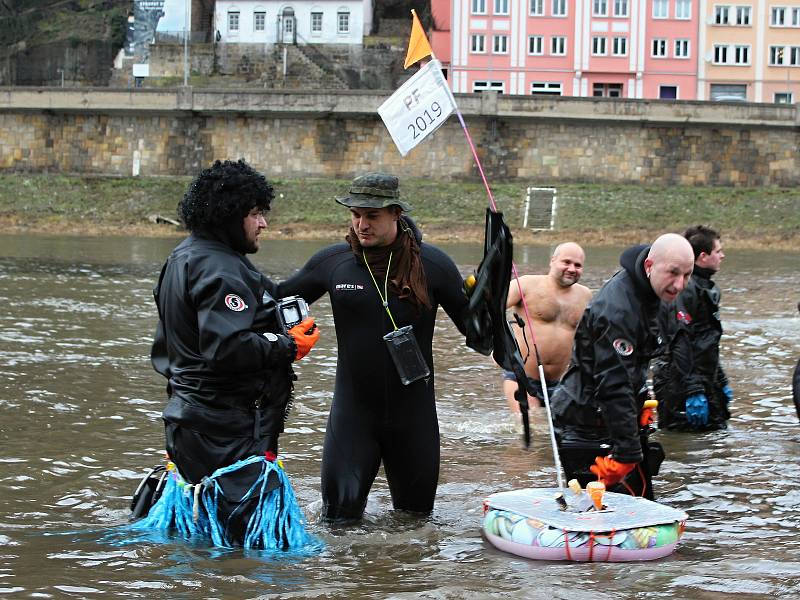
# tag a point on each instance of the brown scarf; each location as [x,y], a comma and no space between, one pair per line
[407,276]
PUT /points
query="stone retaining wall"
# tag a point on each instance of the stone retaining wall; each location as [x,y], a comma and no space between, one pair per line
[543,140]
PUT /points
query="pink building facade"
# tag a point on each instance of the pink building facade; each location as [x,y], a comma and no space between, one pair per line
[620,48]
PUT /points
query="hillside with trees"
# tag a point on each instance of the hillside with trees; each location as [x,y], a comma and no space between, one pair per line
[47,42]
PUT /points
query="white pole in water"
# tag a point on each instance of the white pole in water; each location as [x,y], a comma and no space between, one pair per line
[556,457]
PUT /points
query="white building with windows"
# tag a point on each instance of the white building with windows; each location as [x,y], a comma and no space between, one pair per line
[294,22]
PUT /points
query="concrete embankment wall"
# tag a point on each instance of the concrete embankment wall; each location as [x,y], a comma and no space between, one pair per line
[290,134]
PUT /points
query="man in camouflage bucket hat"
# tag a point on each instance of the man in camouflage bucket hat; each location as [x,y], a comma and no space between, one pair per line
[382,279]
[374,190]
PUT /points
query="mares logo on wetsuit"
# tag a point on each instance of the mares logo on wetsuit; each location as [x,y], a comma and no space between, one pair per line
[349,286]
[684,317]
[235,303]
[623,347]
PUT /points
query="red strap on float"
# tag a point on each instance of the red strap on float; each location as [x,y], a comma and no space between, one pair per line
[610,543]
[591,545]
[641,475]
[566,543]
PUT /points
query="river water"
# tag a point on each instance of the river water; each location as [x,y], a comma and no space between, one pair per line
[79,424]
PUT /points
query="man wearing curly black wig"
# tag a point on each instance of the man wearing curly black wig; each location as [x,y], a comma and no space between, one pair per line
[219,342]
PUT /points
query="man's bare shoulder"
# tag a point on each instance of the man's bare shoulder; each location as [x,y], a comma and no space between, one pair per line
[527,281]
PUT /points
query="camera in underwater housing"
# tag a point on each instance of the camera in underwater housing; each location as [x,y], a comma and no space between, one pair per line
[291,311]
[407,356]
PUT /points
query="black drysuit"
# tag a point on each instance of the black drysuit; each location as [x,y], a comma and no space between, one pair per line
[374,417]
[691,364]
[229,375]
[596,409]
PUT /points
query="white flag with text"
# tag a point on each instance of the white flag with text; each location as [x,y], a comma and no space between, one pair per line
[418,107]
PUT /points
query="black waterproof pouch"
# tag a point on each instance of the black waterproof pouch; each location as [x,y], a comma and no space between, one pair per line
[407,356]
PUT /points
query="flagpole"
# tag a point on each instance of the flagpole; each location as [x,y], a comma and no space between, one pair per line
[493,206]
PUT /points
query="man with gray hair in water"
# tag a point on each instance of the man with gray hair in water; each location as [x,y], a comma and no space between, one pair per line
[598,411]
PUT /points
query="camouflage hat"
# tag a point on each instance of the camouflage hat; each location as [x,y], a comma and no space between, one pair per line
[374,190]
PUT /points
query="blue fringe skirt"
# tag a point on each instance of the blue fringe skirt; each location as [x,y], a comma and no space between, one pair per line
[275,520]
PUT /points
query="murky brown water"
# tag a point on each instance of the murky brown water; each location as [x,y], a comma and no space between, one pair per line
[79,422]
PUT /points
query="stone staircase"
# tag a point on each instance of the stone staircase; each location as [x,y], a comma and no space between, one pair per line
[306,68]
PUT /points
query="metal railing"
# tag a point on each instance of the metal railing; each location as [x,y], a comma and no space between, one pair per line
[177,37]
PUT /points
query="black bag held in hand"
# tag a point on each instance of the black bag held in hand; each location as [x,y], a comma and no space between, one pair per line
[148,492]
[405,353]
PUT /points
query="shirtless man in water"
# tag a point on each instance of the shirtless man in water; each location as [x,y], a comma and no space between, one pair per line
[555,302]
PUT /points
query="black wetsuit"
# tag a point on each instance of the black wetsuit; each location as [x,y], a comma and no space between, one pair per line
[691,363]
[796,388]
[374,417]
[228,382]
[596,408]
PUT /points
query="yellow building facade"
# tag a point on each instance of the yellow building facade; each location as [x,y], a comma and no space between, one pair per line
[750,51]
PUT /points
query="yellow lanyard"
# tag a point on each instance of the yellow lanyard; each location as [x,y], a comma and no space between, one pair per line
[385,295]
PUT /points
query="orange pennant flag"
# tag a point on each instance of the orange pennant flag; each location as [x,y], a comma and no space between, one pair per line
[418,46]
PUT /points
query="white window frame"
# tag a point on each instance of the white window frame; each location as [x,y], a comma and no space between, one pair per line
[777,16]
[536,8]
[795,20]
[741,55]
[558,45]
[784,56]
[720,54]
[547,88]
[683,9]
[683,48]
[263,19]
[499,44]
[343,22]
[660,9]
[606,89]
[501,7]
[234,21]
[536,40]
[599,45]
[478,7]
[786,98]
[477,43]
[658,49]
[722,14]
[621,8]
[317,30]
[600,8]
[619,46]
[560,8]
[743,16]
[484,86]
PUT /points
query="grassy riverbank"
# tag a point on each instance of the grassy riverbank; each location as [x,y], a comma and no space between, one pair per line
[304,209]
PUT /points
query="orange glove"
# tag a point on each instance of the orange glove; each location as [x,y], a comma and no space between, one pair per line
[647,416]
[610,471]
[305,335]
